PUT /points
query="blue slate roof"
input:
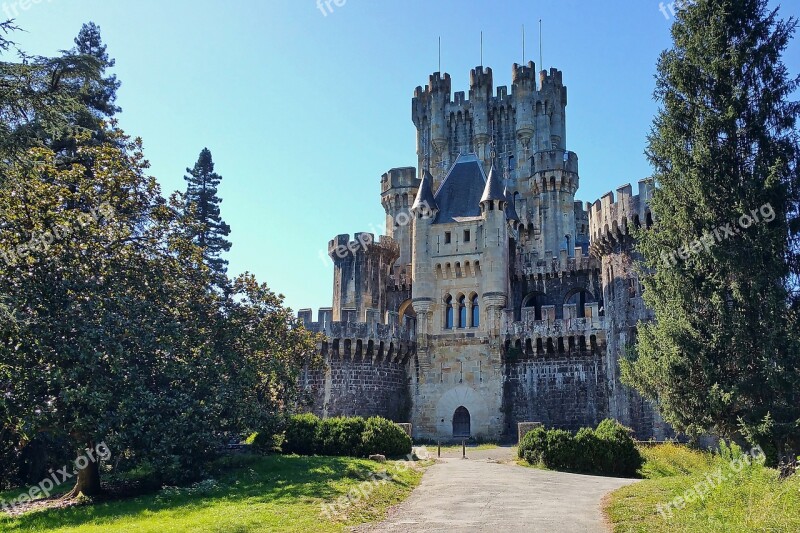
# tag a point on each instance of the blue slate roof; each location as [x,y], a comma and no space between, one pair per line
[459,194]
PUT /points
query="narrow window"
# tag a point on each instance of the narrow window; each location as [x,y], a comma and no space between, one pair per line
[462,312]
[447,237]
[466,235]
[476,315]
[448,313]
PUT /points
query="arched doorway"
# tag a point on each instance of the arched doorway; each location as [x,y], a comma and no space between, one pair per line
[461,422]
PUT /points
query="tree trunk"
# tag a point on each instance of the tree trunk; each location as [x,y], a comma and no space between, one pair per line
[88,482]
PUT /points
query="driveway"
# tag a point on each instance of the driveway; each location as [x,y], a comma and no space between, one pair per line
[488,492]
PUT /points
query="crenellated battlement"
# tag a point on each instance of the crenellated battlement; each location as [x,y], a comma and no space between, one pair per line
[611,221]
[554,79]
[524,76]
[481,82]
[549,160]
[550,335]
[371,339]
[556,267]
[343,246]
[400,178]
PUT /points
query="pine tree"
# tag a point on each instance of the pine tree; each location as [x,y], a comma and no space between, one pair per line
[209,231]
[99,95]
[723,353]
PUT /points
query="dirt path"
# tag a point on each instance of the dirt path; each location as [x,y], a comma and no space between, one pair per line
[487,492]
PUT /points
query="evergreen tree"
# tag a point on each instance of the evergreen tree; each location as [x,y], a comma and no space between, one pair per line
[208,230]
[99,95]
[723,353]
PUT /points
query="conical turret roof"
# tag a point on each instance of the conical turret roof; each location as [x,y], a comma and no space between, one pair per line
[425,199]
[494,187]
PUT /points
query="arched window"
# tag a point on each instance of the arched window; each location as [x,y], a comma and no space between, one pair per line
[462,312]
[448,313]
[476,315]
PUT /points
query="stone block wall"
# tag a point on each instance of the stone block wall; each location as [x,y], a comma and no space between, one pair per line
[360,387]
[565,390]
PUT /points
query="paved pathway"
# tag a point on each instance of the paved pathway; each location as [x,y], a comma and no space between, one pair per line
[489,493]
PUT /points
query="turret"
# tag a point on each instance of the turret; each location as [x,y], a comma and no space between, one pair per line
[480,94]
[360,275]
[495,252]
[554,181]
[398,189]
[554,94]
[424,212]
[523,89]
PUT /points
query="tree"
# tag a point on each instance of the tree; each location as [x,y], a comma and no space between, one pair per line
[38,100]
[723,353]
[207,229]
[99,95]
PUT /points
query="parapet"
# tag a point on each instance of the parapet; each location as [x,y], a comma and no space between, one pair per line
[524,76]
[343,246]
[373,328]
[554,78]
[610,220]
[480,82]
[548,160]
[403,177]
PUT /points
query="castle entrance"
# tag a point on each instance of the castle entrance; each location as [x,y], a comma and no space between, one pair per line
[461,422]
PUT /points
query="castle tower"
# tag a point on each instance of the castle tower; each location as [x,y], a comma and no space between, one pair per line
[480,94]
[398,190]
[424,211]
[495,250]
[554,183]
[523,90]
[361,270]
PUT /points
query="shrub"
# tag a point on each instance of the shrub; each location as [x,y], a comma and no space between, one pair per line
[533,445]
[607,450]
[301,434]
[382,436]
[621,458]
[560,452]
[340,436]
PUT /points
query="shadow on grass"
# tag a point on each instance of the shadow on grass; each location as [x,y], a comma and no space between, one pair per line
[259,479]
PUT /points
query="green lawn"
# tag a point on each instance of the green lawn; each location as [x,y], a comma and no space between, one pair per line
[276,493]
[752,499]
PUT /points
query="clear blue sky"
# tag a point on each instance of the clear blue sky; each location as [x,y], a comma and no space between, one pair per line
[303,112]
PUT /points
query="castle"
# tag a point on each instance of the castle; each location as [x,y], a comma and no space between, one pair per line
[495,297]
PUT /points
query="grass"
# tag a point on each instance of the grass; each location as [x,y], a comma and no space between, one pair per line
[753,499]
[251,493]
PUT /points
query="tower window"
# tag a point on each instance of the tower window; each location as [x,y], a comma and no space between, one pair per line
[447,237]
[462,312]
[476,320]
[448,313]
[466,235]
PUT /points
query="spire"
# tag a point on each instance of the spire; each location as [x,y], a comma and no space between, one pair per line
[511,211]
[494,187]
[425,200]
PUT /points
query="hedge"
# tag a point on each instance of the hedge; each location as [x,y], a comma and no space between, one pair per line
[608,450]
[307,434]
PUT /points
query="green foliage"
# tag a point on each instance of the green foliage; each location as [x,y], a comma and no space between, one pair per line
[340,436]
[307,434]
[753,499]
[301,434]
[384,437]
[723,354]
[207,230]
[607,450]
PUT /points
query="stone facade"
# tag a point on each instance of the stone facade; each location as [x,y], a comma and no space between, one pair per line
[496,298]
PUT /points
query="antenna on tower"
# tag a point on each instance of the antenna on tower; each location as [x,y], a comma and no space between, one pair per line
[440,53]
[481,49]
[523,44]
[541,62]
